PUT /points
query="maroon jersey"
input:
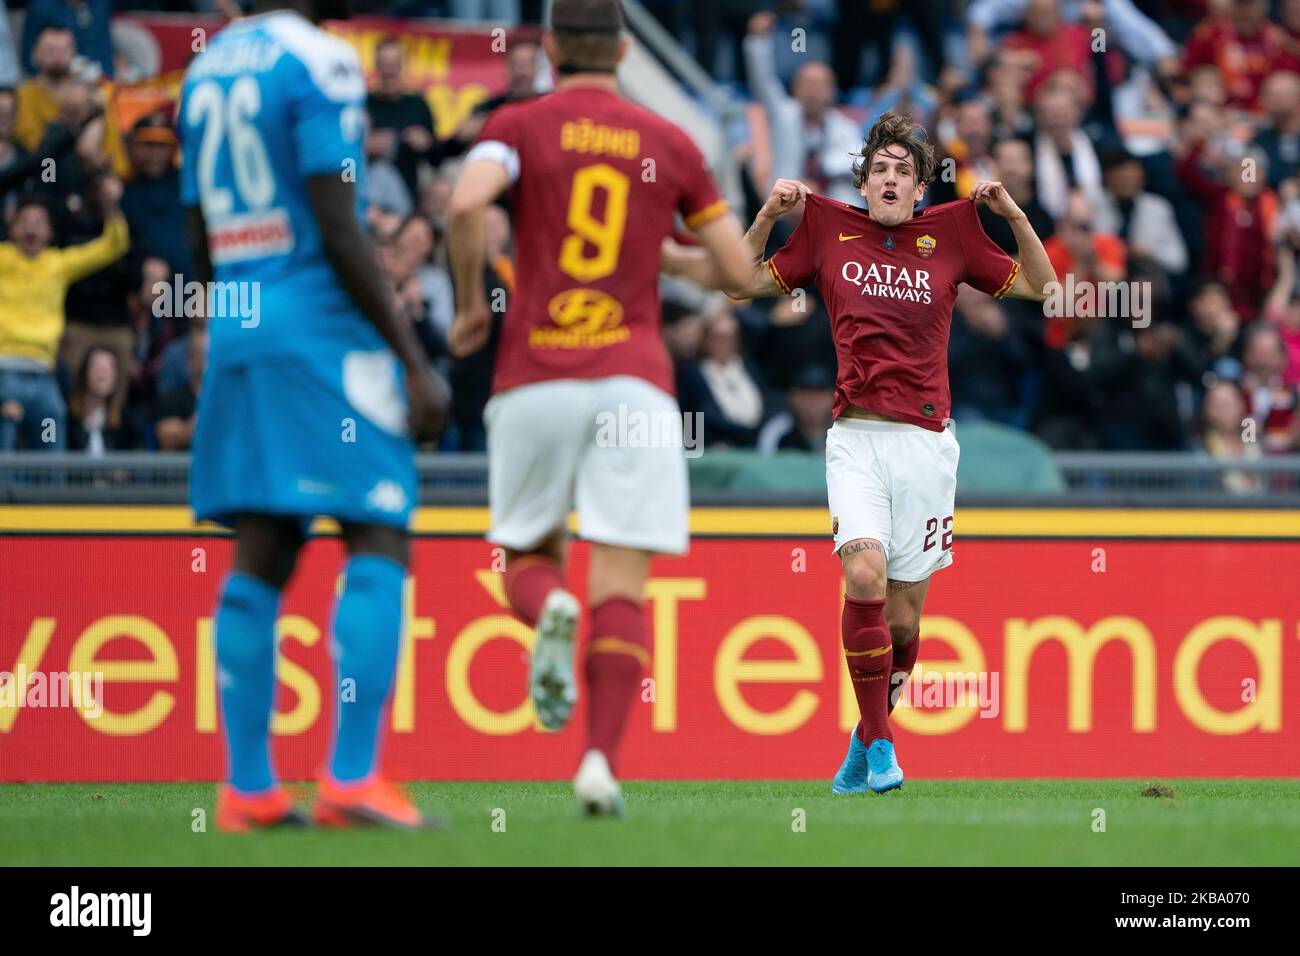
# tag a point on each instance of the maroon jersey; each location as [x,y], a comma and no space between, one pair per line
[889,292]
[597,183]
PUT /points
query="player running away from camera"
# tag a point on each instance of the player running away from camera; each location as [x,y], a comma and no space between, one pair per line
[888,276]
[595,183]
[309,402]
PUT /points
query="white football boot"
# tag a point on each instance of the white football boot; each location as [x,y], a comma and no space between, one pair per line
[551,680]
[594,785]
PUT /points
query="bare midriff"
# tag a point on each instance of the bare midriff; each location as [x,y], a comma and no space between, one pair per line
[857,411]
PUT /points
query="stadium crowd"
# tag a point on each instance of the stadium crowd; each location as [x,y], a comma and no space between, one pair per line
[1154,143]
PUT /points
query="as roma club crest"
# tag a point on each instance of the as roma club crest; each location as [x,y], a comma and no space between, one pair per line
[835,526]
[925,246]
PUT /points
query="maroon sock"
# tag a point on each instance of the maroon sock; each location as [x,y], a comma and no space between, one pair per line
[616,656]
[868,652]
[904,661]
[528,580]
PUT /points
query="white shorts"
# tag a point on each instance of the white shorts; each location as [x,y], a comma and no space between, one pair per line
[611,448]
[895,483]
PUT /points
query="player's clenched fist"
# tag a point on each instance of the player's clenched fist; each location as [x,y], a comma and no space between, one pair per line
[786,195]
[993,195]
[469,331]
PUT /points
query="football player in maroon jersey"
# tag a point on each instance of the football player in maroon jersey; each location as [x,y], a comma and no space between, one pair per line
[888,276]
[596,184]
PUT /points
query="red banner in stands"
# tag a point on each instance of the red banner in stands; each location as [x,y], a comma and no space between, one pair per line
[455,68]
[1040,659]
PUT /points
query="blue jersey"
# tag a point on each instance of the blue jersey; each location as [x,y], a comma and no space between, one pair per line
[272,101]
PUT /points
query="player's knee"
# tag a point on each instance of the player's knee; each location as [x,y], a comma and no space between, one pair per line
[552,546]
[903,626]
[382,540]
[267,549]
[617,573]
[612,587]
[864,578]
[267,565]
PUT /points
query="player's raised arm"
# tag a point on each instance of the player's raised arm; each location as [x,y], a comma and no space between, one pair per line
[701,265]
[480,182]
[353,258]
[715,266]
[1035,268]
[740,271]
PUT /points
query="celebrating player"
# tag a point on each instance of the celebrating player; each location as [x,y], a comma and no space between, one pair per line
[596,183]
[889,277]
[302,410]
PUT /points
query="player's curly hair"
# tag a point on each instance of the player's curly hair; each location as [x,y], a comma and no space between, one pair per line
[894,129]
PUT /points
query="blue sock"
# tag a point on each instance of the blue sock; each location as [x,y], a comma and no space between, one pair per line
[245,639]
[367,635]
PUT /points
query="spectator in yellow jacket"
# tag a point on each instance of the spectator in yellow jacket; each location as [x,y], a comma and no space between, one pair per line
[34,280]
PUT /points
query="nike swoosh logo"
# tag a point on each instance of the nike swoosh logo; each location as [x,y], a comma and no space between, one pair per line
[844,238]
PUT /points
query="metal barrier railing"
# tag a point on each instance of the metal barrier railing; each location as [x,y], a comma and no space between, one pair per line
[1091,479]
[163,477]
[1177,478]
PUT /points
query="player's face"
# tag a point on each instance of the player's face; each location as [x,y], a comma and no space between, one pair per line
[891,189]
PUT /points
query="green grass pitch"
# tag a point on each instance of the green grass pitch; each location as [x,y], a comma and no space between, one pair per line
[1022,822]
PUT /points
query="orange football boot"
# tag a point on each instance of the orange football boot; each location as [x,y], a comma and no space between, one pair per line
[374,801]
[239,812]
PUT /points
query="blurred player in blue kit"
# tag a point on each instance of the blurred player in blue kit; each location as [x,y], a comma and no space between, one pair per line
[311,404]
